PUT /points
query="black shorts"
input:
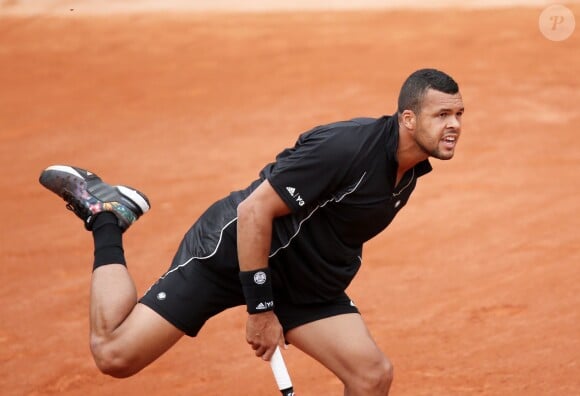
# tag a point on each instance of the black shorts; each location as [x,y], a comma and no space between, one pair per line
[189,294]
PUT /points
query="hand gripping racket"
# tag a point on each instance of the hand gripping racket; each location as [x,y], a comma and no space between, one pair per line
[281,373]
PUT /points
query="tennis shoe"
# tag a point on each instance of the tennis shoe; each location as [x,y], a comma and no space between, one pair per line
[87,195]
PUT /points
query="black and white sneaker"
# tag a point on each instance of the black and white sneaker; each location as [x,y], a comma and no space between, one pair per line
[87,195]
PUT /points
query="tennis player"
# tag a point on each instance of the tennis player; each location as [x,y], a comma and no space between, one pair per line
[286,246]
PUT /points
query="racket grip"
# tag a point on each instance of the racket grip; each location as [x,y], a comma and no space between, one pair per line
[281,373]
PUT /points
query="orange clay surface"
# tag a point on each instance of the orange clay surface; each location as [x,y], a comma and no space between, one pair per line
[473,290]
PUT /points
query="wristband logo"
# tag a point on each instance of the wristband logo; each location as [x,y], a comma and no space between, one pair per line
[265,306]
[260,278]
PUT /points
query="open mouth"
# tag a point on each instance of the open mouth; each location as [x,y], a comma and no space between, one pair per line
[449,141]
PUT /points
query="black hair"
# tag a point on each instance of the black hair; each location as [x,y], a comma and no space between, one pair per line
[417,84]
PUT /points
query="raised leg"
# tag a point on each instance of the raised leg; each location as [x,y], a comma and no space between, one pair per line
[125,336]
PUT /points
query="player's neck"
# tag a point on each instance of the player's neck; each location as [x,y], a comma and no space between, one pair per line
[409,153]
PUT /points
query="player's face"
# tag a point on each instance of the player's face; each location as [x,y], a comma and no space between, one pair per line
[439,124]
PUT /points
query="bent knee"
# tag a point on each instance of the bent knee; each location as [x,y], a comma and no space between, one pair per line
[373,379]
[112,360]
[380,378]
[388,371]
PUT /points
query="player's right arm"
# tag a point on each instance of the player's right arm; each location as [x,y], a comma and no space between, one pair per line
[254,232]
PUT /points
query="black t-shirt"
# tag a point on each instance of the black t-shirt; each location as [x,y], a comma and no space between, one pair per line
[339,182]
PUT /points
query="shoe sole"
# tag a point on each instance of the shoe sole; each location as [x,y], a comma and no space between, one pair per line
[136,197]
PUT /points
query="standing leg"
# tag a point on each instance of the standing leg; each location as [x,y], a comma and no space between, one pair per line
[344,345]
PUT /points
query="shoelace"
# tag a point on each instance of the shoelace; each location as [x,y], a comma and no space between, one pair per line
[75,205]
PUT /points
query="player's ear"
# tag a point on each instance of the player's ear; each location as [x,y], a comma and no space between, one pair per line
[409,119]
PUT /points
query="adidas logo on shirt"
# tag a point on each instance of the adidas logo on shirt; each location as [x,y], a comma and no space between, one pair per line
[295,195]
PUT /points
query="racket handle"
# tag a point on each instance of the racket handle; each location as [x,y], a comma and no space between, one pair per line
[281,373]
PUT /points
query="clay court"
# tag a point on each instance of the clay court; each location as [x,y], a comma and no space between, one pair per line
[473,290]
